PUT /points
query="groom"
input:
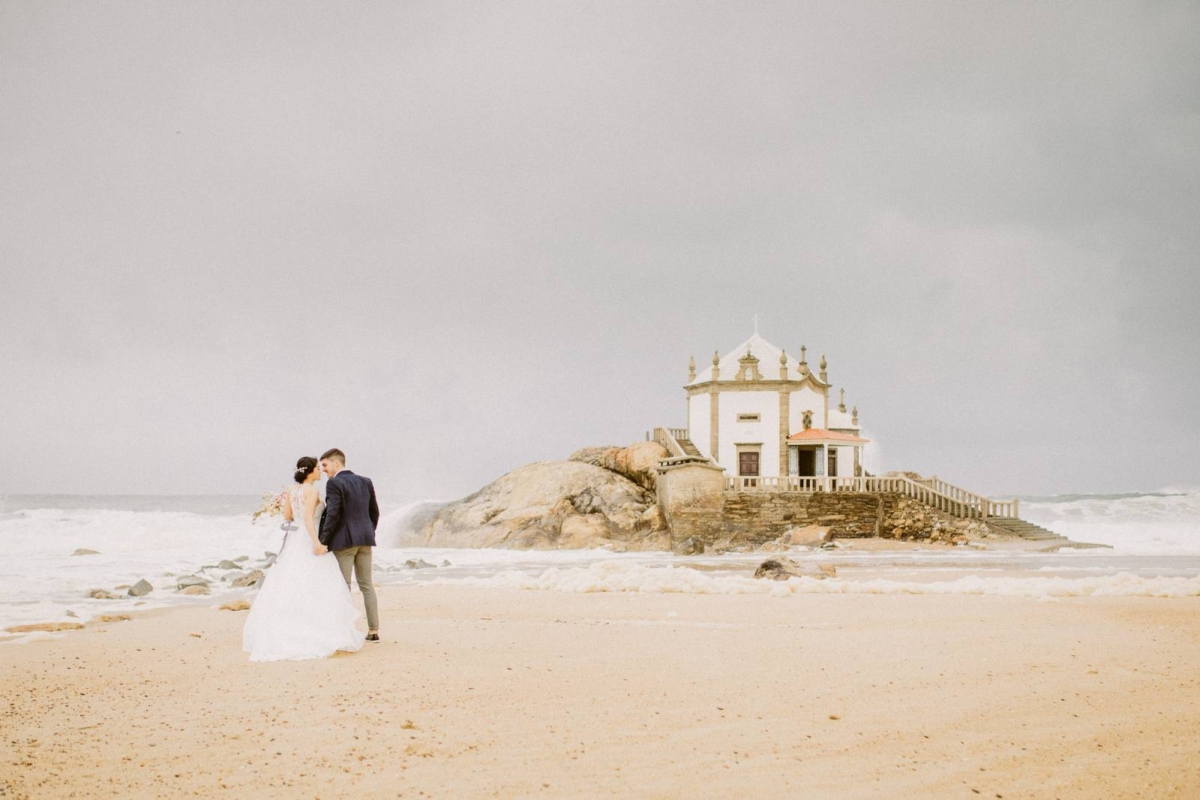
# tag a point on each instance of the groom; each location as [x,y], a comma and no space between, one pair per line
[348,528]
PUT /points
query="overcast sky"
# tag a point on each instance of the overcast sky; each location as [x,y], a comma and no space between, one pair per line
[455,238]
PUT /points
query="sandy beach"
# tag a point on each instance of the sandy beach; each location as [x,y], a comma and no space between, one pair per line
[510,693]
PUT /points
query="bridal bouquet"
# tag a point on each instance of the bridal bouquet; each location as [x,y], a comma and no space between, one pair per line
[272,505]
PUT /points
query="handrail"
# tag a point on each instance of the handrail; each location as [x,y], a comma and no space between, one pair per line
[940,495]
[667,438]
[1006,508]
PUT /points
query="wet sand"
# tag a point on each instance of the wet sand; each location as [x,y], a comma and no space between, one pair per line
[508,693]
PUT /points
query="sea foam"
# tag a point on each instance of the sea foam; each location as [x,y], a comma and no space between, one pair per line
[1156,541]
[1157,523]
[618,576]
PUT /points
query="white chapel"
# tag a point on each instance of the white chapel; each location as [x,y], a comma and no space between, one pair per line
[758,412]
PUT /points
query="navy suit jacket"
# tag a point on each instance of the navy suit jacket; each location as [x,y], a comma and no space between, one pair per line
[351,512]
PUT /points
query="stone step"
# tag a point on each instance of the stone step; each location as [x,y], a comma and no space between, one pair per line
[1026,530]
[688,447]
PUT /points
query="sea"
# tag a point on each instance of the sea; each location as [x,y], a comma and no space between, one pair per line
[1153,550]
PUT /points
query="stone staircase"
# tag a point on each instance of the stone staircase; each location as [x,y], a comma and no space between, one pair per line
[1026,530]
[688,447]
[679,446]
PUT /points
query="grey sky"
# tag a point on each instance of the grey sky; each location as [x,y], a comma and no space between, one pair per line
[455,238]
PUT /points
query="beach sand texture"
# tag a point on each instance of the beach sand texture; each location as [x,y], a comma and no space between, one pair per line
[509,693]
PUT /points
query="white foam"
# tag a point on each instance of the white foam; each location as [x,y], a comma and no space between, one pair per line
[156,538]
[40,581]
[1152,524]
[616,576]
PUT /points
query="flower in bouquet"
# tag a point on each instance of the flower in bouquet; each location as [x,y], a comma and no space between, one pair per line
[272,505]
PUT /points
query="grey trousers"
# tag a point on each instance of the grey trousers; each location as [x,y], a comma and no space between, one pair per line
[358,560]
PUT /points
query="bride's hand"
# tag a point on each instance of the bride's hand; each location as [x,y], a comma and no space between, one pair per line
[320,549]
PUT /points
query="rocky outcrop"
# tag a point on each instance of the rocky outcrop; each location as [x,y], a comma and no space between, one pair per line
[549,505]
[637,462]
[912,520]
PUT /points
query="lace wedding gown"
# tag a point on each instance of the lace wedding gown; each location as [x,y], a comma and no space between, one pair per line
[303,609]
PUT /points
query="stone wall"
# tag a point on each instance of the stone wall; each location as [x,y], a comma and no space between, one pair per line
[754,518]
[690,485]
[758,517]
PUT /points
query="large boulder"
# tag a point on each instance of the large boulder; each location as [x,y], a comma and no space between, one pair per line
[808,536]
[637,462]
[547,505]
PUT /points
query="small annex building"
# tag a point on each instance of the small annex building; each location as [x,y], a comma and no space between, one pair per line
[758,412]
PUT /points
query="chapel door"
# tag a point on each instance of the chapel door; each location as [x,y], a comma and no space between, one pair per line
[748,464]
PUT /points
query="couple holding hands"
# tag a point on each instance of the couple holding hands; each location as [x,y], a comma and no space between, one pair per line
[303,609]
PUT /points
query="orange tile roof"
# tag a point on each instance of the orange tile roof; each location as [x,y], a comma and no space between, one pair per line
[822,435]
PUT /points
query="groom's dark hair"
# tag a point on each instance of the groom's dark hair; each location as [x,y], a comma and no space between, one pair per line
[333,452]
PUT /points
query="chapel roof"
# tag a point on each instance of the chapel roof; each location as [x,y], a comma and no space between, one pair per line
[822,435]
[768,362]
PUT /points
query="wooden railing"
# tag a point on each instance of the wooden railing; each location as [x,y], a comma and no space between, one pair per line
[938,494]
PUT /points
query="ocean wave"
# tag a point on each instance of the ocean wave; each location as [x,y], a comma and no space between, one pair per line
[1149,523]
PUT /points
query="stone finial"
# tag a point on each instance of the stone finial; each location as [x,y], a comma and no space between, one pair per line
[716,357]
[691,369]
[783,376]
[842,401]
[748,367]
[716,369]
[854,419]
[824,375]
[803,361]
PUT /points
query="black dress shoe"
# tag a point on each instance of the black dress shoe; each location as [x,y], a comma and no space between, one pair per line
[372,637]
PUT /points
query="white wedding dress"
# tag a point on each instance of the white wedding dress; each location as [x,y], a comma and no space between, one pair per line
[303,609]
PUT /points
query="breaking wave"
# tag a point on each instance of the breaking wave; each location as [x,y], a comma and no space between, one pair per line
[1158,523]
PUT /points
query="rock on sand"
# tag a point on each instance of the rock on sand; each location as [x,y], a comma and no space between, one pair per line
[140,588]
[782,568]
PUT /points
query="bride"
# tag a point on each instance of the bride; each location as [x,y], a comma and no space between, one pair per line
[303,609]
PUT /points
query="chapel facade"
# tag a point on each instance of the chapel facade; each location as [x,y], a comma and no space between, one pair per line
[758,412]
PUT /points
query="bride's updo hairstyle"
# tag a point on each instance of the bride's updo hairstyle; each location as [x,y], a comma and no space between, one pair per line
[304,468]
